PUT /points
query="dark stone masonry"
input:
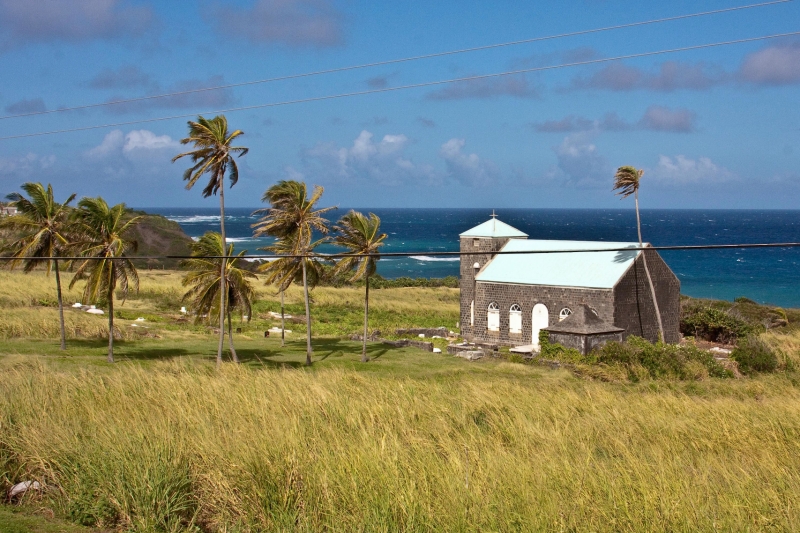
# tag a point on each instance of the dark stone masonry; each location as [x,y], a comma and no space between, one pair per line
[627,306]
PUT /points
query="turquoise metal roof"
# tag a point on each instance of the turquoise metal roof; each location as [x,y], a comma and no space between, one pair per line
[493,228]
[598,270]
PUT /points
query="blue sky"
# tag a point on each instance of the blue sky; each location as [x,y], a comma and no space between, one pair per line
[713,128]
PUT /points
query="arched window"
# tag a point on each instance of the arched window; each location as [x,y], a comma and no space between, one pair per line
[493,317]
[564,313]
[515,319]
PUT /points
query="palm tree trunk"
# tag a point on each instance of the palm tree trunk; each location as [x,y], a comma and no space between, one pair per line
[283,323]
[222,291]
[230,338]
[366,321]
[647,271]
[308,315]
[60,307]
[111,324]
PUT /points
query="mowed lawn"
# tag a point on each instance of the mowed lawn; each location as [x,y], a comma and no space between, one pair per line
[411,441]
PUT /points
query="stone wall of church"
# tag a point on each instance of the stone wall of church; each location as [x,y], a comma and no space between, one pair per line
[634,310]
[467,274]
[527,296]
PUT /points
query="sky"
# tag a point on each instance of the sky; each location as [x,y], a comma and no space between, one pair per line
[711,128]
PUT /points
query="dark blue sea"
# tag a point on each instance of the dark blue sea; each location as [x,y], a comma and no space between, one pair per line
[766,275]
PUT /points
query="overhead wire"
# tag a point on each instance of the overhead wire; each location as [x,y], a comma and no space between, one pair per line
[405,87]
[690,247]
[395,61]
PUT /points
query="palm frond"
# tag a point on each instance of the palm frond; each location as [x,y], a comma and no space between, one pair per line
[626,180]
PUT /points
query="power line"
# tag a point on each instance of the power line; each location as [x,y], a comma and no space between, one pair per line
[394,61]
[690,247]
[405,87]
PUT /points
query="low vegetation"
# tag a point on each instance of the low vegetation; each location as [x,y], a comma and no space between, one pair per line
[411,441]
[497,446]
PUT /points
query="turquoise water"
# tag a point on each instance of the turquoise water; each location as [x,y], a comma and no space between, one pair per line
[767,275]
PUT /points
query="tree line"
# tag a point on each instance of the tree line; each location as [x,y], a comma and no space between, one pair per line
[45,231]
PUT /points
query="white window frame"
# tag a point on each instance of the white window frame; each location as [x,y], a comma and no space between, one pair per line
[493,317]
[472,313]
[564,313]
[515,319]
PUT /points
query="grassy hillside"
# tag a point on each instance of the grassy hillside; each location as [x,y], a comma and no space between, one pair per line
[497,447]
[411,441]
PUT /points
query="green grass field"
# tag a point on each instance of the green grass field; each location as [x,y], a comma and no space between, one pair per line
[411,441]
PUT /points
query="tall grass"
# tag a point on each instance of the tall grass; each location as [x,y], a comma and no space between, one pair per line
[42,323]
[528,450]
[335,311]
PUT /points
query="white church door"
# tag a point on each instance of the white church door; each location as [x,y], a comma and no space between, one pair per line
[539,321]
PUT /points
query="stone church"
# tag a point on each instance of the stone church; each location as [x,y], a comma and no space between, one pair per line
[508,298]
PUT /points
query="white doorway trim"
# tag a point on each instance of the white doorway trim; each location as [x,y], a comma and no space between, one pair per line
[539,319]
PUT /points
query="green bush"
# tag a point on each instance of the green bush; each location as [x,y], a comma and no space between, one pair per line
[754,355]
[715,325]
[557,352]
[660,360]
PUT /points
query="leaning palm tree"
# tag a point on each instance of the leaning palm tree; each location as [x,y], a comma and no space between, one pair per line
[213,155]
[100,236]
[203,280]
[361,236]
[293,216]
[284,271]
[42,228]
[626,182]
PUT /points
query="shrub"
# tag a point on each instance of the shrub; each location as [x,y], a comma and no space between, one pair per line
[557,352]
[643,359]
[754,355]
[715,325]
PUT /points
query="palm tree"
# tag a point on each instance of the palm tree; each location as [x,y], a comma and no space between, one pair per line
[43,227]
[292,217]
[203,281]
[213,155]
[360,235]
[101,237]
[626,182]
[287,270]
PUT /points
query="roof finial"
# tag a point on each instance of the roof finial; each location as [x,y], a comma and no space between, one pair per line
[494,217]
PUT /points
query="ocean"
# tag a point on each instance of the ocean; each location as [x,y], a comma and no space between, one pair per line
[767,275]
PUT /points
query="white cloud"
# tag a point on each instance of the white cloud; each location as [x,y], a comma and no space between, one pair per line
[580,163]
[147,140]
[26,165]
[136,143]
[681,170]
[112,142]
[383,161]
[468,169]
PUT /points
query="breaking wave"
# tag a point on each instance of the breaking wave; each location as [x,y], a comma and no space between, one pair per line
[195,218]
[427,258]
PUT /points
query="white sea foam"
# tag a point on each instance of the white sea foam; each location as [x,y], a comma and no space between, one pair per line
[427,258]
[240,239]
[195,218]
